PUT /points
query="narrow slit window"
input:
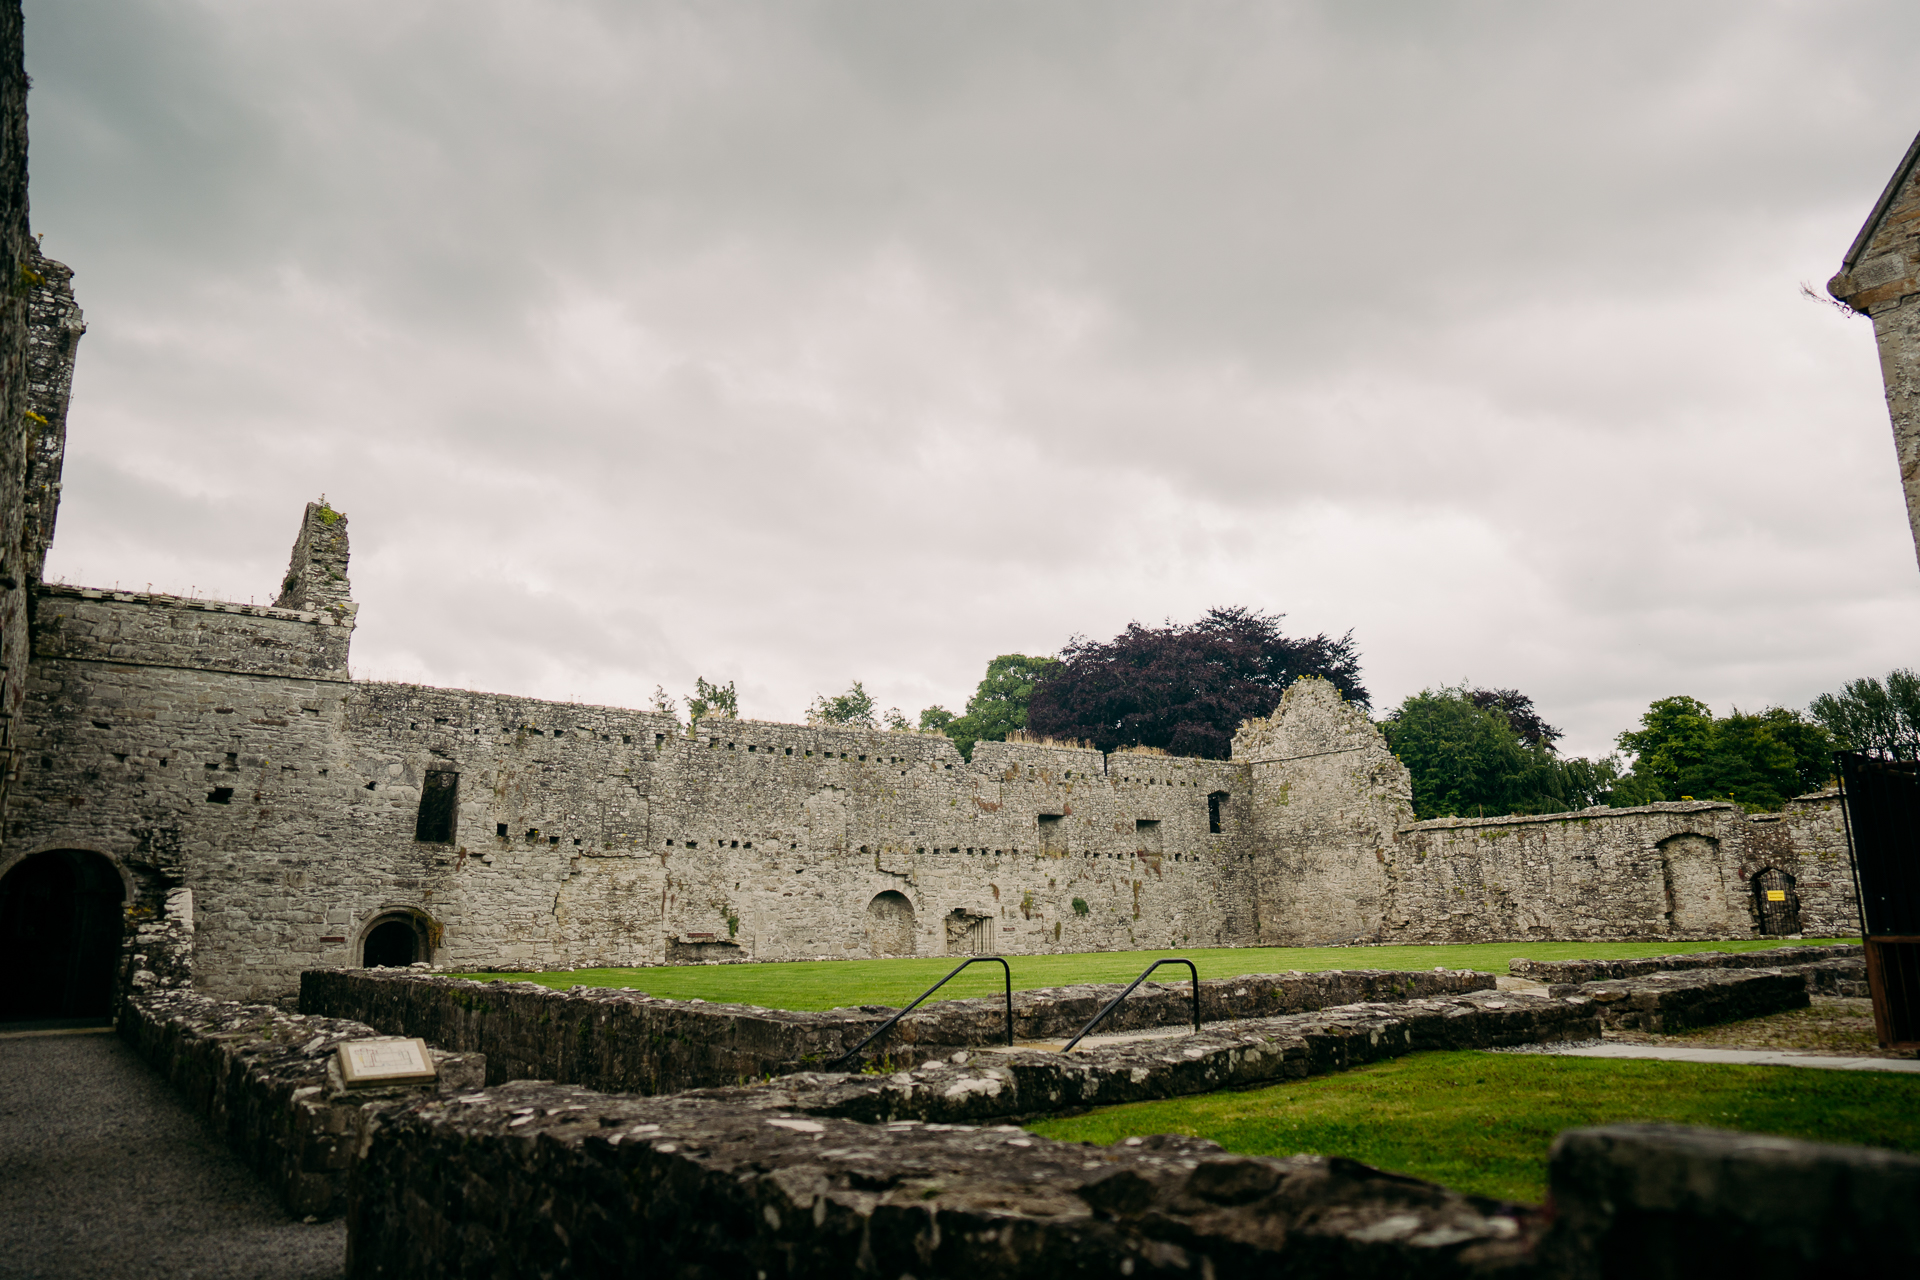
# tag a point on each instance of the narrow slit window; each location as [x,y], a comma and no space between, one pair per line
[437,798]
[1216,807]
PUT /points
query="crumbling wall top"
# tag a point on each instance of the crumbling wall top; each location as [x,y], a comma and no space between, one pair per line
[316,579]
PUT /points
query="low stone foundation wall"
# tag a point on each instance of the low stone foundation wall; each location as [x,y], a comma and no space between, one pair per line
[1596,970]
[1661,1202]
[265,1083]
[1672,1002]
[622,1041]
[539,1179]
[984,1086]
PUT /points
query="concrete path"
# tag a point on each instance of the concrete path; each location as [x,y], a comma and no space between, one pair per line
[1748,1057]
[108,1175]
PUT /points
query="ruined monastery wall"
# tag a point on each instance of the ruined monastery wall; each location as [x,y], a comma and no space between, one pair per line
[1680,870]
[267,808]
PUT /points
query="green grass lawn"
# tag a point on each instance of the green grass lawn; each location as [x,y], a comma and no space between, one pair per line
[1482,1122]
[828,984]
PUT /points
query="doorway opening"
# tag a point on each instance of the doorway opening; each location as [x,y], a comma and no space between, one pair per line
[394,941]
[61,921]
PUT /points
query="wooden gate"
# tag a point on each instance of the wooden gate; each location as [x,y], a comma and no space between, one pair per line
[1778,904]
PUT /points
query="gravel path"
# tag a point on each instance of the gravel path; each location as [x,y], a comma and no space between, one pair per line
[109,1175]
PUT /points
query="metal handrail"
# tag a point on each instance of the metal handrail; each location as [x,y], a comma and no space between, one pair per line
[1115,1002]
[888,1024]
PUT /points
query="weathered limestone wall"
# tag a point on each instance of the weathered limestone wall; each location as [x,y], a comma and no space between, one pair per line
[1881,277]
[268,813]
[221,748]
[1326,796]
[1671,870]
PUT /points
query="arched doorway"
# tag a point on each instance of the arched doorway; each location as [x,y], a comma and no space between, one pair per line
[1777,904]
[395,940]
[889,925]
[61,921]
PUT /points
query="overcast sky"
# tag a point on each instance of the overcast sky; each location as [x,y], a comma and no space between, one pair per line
[794,342]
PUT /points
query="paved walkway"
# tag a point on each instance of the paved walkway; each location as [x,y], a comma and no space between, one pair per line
[107,1174]
[1748,1057]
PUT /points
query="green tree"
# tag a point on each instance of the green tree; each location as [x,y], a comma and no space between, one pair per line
[936,719]
[854,709]
[1757,760]
[712,700]
[999,704]
[1468,761]
[1867,715]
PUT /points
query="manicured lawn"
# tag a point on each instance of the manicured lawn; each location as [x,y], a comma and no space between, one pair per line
[1482,1122]
[827,984]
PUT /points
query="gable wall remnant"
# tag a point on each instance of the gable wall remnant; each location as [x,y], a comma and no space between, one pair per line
[1880,277]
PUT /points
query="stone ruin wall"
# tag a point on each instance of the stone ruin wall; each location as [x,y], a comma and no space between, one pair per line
[264,807]
[1880,277]
[1679,870]
[1328,795]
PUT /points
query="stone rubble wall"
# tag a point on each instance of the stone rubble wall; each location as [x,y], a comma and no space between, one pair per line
[625,1041]
[267,1083]
[1597,970]
[1666,1202]
[1673,1002]
[1328,794]
[539,1179]
[1681,869]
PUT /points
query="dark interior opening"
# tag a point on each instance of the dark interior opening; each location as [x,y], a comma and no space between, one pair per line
[393,944]
[437,795]
[60,928]
[1216,803]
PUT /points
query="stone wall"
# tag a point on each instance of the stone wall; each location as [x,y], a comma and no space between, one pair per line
[1671,870]
[1880,277]
[623,1040]
[223,749]
[266,1082]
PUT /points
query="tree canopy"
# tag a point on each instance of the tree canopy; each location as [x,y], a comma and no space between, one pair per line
[999,704]
[1185,689]
[1757,760]
[854,709]
[1517,708]
[1469,759]
[1867,715]
[706,699]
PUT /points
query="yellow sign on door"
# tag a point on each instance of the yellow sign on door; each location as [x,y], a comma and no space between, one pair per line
[1776,895]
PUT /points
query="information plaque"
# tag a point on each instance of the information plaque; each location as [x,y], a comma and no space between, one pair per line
[365,1063]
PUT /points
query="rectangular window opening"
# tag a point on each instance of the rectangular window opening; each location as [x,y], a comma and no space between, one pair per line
[1216,807]
[220,795]
[1147,832]
[438,794]
[1053,832]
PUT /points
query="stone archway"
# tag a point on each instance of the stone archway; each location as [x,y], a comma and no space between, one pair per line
[889,925]
[62,918]
[395,939]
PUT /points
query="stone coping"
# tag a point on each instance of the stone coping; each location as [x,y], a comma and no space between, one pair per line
[1597,970]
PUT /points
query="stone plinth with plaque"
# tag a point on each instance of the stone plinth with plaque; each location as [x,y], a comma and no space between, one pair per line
[367,1064]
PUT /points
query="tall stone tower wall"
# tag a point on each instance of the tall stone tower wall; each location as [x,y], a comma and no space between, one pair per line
[1327,796]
